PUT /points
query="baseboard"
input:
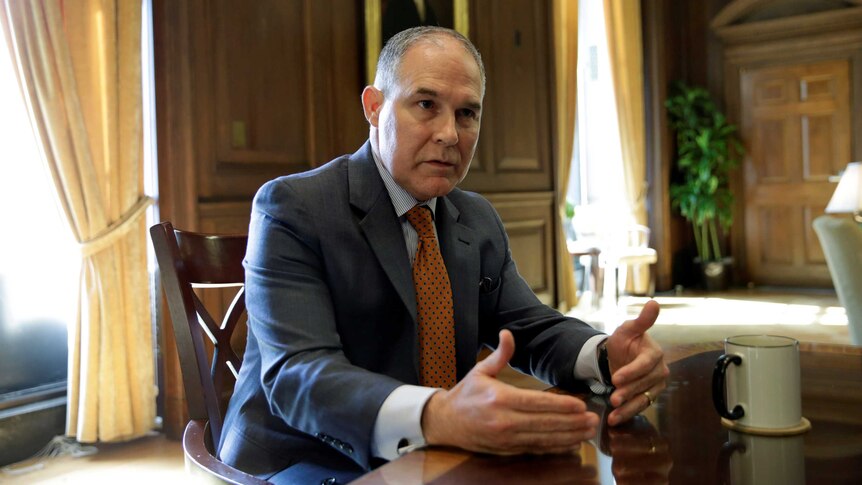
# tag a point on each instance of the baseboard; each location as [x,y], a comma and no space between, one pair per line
[26,429]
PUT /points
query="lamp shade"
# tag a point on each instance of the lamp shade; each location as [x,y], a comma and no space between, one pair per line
[848,195]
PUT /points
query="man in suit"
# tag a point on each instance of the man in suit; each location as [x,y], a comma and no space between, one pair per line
[336,375]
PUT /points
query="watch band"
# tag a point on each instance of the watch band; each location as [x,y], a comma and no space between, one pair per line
[604,365]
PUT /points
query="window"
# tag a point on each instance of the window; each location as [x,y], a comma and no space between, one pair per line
[597,183]
[39,260]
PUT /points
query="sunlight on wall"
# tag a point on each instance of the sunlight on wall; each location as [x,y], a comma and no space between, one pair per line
[39,260]
[708,311]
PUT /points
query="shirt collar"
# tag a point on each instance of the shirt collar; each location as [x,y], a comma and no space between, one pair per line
[402,201]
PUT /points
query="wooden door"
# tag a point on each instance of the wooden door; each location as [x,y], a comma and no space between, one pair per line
[796,124]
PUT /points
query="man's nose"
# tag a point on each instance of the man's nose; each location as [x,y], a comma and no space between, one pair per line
[447,130]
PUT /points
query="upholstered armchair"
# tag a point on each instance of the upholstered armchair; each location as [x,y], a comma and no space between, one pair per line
[841,239]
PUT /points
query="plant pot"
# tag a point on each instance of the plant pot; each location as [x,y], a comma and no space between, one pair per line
[715,275]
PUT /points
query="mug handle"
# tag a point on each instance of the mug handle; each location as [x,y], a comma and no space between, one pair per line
[719,375]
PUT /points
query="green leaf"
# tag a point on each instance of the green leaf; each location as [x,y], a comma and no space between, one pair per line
[707,151]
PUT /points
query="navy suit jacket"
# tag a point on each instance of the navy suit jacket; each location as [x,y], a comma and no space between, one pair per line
[332,314]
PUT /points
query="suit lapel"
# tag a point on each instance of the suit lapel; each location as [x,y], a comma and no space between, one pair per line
[462,263]
[381,228]
[380,224]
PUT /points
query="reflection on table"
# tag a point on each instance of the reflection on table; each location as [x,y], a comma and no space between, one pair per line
[680,440]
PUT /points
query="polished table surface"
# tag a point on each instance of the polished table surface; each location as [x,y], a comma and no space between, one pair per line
[680,439]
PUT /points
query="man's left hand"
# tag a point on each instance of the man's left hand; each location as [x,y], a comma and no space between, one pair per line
[637,366]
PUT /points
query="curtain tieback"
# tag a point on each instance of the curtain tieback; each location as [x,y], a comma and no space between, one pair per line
[117,229]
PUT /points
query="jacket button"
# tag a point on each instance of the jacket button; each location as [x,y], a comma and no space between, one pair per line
[329,481]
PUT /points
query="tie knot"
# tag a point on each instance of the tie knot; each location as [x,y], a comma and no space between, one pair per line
[420,218]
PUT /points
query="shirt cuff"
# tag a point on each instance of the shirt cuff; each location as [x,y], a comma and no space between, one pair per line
[587,366]
[398,428]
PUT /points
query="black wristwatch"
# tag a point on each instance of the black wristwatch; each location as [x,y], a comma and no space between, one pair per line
[604,365]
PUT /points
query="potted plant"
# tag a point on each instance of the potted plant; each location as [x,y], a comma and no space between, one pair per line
[707,149]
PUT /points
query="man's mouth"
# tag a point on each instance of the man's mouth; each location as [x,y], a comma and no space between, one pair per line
[440,163]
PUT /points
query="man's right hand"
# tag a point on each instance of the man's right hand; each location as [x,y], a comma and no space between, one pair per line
[483,414]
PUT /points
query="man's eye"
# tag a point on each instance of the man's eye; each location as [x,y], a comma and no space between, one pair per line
[426,104]
[467,113]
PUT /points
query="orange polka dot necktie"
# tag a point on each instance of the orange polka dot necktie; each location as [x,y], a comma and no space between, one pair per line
[434,311]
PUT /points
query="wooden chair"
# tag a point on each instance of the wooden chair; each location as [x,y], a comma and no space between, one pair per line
[190,260]
[635,251]
[593,274]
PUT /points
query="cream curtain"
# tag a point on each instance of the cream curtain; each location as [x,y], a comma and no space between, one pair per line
[623,19]
[566,63]
[79,67]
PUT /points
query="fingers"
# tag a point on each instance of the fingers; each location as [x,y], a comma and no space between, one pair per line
[643,322]
[634,402]
[655,380]
[628,410]
[539,401]
[538,433]
[541,443]
[527,424]
[483,414]
[647,373]
[499,358]
[644,362]
[637,363]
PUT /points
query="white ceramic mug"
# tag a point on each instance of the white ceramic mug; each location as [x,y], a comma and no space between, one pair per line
[754,460]
[760,374]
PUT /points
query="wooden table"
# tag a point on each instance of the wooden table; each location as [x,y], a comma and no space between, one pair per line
[680,439]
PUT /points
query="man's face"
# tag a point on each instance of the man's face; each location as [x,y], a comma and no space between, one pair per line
[427,127]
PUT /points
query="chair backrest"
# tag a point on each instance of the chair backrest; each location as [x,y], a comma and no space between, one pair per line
[190,260]
[638,236]
[841,239]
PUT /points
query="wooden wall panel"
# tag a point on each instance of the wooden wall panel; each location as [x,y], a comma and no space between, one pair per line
[529,222]
[279,102]
[769,147]
[242,102]
[248,129]
[776,227]
[819,151]
[813,250]
[246,92]
[225,217]
[514,151]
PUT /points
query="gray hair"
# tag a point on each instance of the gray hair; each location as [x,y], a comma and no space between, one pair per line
[393,52]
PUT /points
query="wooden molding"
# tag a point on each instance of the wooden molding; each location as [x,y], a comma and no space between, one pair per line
[791,27]
[734,11]
[738,9]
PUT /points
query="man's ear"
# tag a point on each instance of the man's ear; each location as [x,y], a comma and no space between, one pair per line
[372,101]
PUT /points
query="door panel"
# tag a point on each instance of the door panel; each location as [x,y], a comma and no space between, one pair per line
[514,149]
[797,120]
[528,218]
